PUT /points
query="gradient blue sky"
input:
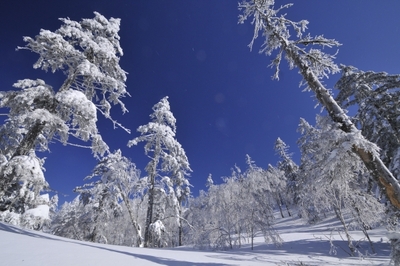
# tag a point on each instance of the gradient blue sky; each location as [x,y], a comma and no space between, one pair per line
[221,94]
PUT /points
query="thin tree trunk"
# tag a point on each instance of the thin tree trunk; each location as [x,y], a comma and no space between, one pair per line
[180,225]
[279,202]
[180,229]
[346,231]
[252,229]
[252,237]
[287,209]
[364,227]
[149,215]
[284,203]
[151,169]
[133,221]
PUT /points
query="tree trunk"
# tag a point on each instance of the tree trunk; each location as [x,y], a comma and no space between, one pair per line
[287,209]
[364,227]
[284,203]
[28,141]
[149,215]
[135,225]
[152,172]
[180,229]
[280,206]
[346,231]
[180,226]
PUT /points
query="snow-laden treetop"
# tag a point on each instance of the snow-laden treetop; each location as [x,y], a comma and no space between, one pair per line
[88,52]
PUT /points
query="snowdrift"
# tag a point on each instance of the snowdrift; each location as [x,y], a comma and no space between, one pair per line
[320,244]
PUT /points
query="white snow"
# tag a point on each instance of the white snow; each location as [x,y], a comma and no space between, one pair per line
[309,245]
[27,167]
[40,211]
[78,101]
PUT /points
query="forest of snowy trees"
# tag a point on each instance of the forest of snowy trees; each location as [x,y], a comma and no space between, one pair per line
[349,165]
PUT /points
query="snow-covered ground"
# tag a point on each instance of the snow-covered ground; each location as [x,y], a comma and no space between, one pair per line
[309,245]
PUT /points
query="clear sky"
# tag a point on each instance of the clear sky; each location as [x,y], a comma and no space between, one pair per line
[221,94]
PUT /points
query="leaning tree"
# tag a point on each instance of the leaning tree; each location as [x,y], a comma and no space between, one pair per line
[313,65]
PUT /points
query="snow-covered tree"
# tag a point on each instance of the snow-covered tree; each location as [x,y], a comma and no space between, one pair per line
[216,217]
[67,221]
[266,188]
[290,169]
[114,181]
[335,179]
[100,207]
[278,188]
[121,179]
[87,52]
[377,99]
[210,181]
[236,211]
[313,65]
[26,182]
[167,157]
[21,201]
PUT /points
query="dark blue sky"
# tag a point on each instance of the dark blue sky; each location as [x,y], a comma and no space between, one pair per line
[221,94]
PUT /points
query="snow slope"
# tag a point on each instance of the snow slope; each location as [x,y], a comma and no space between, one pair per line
[309,245]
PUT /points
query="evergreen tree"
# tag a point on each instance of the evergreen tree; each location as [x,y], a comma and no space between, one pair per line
[68,221]
[87,52]
[117,182]
[376,97]
[290,169]
[335,179]
[168,157]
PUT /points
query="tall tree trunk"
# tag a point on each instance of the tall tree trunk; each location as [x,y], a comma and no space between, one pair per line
[152,172]
[149,215]
[180,229]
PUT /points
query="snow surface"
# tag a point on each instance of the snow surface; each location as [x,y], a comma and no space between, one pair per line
[303,244]
[40,211]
